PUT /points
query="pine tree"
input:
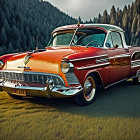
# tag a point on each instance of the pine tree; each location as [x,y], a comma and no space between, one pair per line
[138,6]
[79,19]
[105,17]
[7,13]
[113,21]
[99,18]
[6,27]
[14,32]
[3,37]
[133,39]
[113,15]
[113,12]
[125,21]
[10,48]
[2,50]
[138,28]
[134,25]
[137,41]
[2,17]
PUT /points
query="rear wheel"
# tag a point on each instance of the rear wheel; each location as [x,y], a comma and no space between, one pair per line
[89,93]
[15,96]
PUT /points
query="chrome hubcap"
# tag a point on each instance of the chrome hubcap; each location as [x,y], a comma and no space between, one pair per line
[89,89]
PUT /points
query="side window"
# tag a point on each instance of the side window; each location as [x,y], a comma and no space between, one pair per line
[116,37]
[109,43]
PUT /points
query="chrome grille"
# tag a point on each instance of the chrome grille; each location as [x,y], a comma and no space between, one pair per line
[33,77]
[72,79]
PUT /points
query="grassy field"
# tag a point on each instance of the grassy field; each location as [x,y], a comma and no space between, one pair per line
[115,115]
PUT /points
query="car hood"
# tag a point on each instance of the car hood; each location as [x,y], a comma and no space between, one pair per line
[47,61]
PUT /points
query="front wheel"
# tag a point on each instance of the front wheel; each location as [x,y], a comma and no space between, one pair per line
[89,93]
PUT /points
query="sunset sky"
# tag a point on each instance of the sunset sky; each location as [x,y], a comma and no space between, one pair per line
[87,9]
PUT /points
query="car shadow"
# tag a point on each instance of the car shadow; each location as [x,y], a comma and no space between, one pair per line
[119,100]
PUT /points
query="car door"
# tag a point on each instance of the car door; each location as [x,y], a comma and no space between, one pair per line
[119,57]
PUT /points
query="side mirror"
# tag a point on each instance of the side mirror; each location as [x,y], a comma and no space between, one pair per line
[116,46]
[108,45]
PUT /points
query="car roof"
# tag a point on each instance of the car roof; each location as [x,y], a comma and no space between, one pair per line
[104,27]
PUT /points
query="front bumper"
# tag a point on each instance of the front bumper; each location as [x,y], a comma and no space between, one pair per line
[48,91]
[38,84]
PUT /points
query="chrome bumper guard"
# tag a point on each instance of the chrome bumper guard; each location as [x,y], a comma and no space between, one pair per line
[48,91]
[18,82]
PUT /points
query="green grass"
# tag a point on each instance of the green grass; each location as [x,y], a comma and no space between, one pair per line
[111,117]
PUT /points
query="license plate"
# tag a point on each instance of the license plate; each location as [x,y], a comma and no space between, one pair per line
[18,92]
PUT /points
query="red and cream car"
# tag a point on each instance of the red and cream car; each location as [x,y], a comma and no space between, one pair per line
[80,60]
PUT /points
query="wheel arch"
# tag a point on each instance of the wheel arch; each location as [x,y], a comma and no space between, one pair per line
[98,76]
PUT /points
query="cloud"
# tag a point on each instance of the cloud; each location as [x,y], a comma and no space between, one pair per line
[87,9]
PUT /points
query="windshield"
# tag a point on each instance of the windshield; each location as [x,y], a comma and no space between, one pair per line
[83,37]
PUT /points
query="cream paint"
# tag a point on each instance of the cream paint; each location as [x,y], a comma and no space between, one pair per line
[12,65]
[35,65]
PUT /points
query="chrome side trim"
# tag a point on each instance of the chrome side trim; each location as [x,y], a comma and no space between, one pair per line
[101,60]
[116,83]
[120,56]
[135,63]
[86,58]
[93,66]
[137,74]
[135,66]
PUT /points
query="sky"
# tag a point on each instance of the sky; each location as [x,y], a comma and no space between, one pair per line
[87,9]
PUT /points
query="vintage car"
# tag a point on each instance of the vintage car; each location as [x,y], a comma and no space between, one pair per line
[79,61]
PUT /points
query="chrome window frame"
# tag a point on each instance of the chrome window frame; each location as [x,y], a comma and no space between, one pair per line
[121,35]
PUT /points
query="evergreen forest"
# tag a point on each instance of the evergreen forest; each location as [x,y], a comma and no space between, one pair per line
[23,21]
[128,19]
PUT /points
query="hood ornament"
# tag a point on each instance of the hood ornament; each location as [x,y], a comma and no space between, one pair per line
[26,58]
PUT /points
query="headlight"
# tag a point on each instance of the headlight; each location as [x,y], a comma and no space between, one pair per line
[1,64]
[67,67]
